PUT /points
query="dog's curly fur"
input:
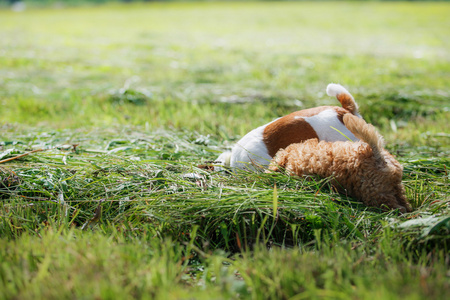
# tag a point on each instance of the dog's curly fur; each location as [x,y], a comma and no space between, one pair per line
[364,170]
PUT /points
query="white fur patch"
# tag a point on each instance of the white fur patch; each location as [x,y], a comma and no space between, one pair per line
[250,150]
[334,89]
[224,160]
[323,124]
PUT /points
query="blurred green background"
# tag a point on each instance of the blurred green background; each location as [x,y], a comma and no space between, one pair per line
[204,66]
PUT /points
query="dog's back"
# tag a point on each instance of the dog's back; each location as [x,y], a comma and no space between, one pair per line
[324,123]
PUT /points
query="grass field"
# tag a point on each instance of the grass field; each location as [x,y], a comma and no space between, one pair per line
[121,102]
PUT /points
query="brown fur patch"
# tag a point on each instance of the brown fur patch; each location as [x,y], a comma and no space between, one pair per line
[293,128]
[365,132]
[353,167]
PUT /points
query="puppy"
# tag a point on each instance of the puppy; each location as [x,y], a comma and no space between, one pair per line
[363,170]
[324,123]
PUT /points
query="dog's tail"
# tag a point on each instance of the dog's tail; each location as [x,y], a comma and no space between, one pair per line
[344,97]
[365,132]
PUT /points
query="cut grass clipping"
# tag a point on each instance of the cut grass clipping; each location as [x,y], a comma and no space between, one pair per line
[139,182]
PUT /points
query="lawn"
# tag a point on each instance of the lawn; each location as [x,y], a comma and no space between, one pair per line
[122,103]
